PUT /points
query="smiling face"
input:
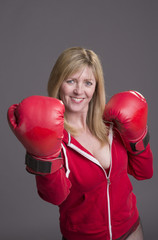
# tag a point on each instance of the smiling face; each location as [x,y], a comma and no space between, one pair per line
[77,90]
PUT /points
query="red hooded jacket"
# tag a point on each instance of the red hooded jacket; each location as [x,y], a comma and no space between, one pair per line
[95,204]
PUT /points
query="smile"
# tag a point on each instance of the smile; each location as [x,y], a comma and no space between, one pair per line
[77,99]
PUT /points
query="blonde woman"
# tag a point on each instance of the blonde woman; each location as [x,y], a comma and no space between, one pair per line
[82,150]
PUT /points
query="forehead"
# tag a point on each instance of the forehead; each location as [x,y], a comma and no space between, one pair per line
[83,73]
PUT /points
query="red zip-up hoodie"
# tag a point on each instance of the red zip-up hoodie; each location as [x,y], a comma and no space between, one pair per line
[95,204]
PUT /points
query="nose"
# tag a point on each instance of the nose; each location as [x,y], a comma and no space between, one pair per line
[78,89]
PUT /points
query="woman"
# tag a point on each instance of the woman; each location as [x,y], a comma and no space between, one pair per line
[91,184]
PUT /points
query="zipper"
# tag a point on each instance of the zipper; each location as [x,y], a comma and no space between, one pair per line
[108,184]
[108,200]
[107,177]
[71,145]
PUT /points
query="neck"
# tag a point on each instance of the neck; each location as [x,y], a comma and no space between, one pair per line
[77,120]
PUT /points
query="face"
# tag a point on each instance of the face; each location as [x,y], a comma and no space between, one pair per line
[77,90]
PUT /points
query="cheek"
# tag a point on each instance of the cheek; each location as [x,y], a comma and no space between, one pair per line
[62,91]
[60,94]
[62,97]
[91,93]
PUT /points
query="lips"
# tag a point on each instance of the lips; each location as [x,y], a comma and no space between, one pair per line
[77,100]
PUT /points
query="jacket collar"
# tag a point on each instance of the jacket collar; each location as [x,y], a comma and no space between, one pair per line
[70,140]
[75,145]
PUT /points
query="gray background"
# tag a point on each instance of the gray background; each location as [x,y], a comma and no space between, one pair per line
[33,33]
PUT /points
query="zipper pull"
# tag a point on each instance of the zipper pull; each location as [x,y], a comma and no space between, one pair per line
[108,180]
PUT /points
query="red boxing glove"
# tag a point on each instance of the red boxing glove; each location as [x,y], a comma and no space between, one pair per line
[38,123]
[128,112]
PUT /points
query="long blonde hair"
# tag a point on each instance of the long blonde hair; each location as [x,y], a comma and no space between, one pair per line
[69,62]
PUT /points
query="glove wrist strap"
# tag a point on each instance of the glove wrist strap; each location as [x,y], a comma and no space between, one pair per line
[141,145]
[39,166]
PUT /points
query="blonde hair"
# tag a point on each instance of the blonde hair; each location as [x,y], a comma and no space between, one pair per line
[69,62]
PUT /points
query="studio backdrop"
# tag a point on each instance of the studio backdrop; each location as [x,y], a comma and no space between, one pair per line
[33,34]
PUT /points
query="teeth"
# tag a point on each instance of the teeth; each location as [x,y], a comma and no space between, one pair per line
[77,99]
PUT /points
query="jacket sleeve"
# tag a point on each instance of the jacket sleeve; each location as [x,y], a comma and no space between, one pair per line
[53,188]
[141,166]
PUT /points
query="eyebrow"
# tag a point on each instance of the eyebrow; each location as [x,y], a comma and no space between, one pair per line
[90,79]
[87,79]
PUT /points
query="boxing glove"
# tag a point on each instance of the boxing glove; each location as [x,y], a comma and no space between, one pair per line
[38,123]
[128,112]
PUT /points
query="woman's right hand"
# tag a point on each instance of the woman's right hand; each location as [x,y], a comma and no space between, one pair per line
[38,123]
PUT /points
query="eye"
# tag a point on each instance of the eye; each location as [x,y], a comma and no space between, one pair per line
[88,83]
[70,81]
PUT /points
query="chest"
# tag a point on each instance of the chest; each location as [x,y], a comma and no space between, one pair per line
[101,152]
[83,168]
